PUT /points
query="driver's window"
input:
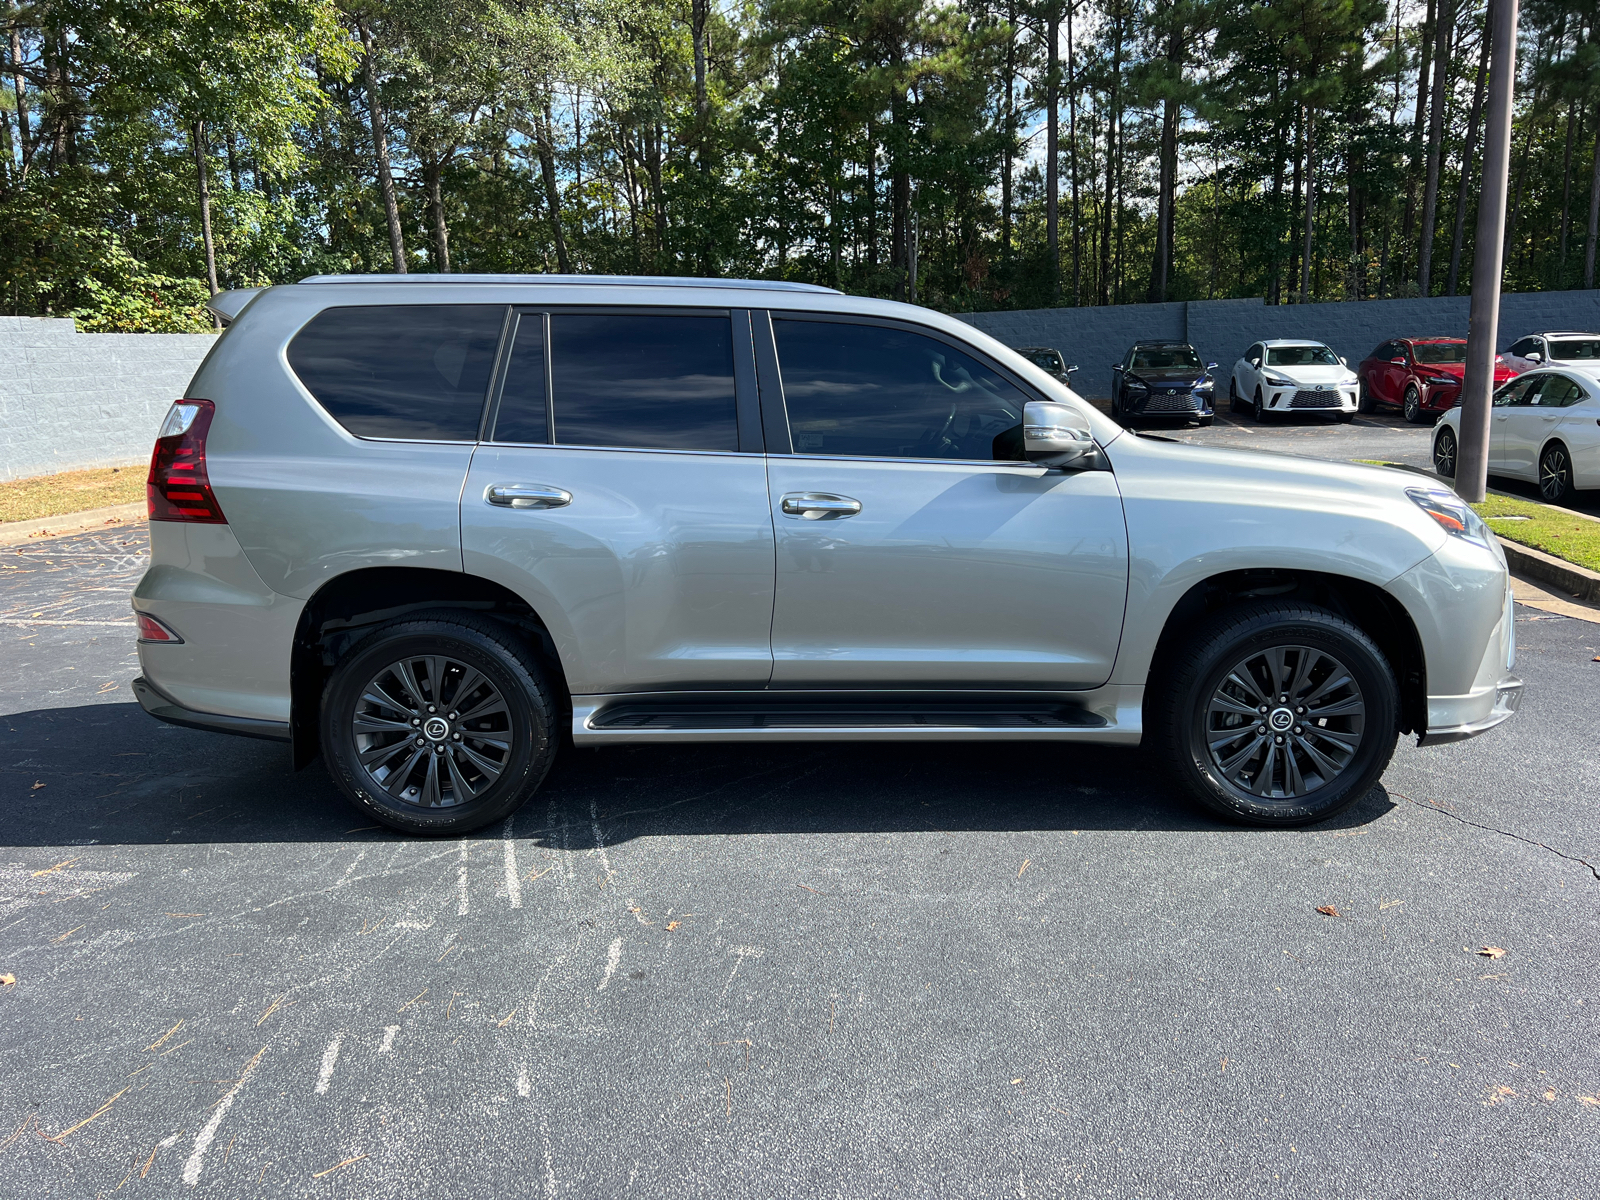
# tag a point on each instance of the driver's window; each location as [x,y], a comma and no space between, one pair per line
[880,392]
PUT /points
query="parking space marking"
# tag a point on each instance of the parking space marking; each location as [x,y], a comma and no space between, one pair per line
[330,1059]
[461,881]
[613,960]
[513,879]
[203,1139]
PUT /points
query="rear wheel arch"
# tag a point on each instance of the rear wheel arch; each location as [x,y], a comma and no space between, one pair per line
[349,606]
[1371,609]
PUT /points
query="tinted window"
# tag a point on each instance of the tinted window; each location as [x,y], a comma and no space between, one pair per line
[1559,392]
[1048,359]
[650,382]
[1573,349]
[401,371]
[1521,392]
[1524,347]
[522,416]
[1440,352]
[888,393]
[1165,358]
[1301,356]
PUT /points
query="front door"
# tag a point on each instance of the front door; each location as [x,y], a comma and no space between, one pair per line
[624,503]
[1513,444]
[1530,423]
[914,549]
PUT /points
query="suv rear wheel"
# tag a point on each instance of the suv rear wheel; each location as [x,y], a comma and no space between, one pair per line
[438,724]
[1277,714]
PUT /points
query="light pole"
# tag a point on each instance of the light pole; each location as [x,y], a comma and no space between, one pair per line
[1488,261]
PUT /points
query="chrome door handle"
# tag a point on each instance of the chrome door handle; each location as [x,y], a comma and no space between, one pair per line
[819,506]
[526,495]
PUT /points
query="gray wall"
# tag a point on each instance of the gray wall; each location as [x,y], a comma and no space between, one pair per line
[70,400]
[1221,329]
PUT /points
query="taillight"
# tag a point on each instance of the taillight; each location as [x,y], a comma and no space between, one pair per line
[152,630]
[178,488]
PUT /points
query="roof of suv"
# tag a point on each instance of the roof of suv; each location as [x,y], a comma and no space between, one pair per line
[760,285]
[1548,333]
[1292,342]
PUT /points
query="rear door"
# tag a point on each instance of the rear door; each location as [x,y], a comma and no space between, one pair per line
[915,549]
[622,493]
[1520,423]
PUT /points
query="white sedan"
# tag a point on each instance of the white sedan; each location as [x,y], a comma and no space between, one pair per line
[1544,427]
[1282,375]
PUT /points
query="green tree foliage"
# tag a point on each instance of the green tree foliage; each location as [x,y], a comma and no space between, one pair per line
[1292,149]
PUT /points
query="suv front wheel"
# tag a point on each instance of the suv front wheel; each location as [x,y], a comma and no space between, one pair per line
[438,724]
[1277,714]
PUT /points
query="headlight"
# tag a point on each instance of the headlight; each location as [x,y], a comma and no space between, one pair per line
[1277,380]
[1138,385]
[1453,514]
[1440,379]
[1205,385]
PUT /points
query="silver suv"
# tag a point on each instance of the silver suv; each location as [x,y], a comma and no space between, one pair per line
[430,526]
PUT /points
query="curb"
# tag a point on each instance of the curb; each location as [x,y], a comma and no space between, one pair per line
[1578,582]
[14,532]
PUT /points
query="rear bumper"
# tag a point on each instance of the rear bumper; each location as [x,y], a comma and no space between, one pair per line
[164,708]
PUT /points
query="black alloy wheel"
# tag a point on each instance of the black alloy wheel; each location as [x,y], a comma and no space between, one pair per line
[1276,714]
[1444,453]
[1233,395]
[1413,404]
[1364,401]
[438,724]
[1555,474]
[1259,411]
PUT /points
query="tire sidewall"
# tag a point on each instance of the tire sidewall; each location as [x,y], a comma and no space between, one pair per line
[531,751]
[1364,660]
[1454,454]
[1567,490]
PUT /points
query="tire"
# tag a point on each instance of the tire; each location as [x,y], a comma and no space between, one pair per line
[1445,450]
[1258,411]
[1413,405]
[1199,698]
[469,772]
[1555,474]
[1233,395]
[1364,400]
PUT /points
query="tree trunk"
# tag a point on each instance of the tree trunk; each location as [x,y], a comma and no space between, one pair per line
[1417,158]
[380,150]
[24,137]
[197,140]
[1311,206]
[1594,211]
[1430,194]
[1464,188]
[1113,101]
[1052,150]
[872,193]
[552,198]
[433,184]
[1275,291]
[899,193]
[1566,186]
[1294,191]
[1072,163]
[1008,124]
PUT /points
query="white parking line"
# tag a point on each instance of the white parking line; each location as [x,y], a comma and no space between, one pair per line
[513,880]
[613,960]
[330,1058]
[203,1139]
[461,881]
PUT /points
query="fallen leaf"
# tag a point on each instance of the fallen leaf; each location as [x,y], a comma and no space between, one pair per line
[1014,1082]
[336,1166]
[1023,867]
[1549,1093]
[1327,910]
[1491,952]
[36,786]
[1588,1101]
[7,980]
[671,925]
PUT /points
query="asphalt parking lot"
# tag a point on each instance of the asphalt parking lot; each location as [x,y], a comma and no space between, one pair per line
[784,971]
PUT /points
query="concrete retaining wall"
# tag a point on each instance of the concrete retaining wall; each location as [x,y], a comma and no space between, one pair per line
[1221,330]
[70,400]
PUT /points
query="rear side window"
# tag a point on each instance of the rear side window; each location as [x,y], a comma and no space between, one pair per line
[644,381]
[413,371]
[880,392]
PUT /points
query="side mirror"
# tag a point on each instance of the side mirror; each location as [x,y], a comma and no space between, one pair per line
[1399,362]
[1535,356]
[1256,363]
[1211,366]
[1072,368]
[1055,435]
[1343,361]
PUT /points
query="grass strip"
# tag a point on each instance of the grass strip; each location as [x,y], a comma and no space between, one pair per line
[70,492]
[1572,538]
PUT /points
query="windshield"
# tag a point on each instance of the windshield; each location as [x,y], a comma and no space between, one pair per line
[1576,348]
[1301,356]
[1440,352]
[1048,359]
[1166,358]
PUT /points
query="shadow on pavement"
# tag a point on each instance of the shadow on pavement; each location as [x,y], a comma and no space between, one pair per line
[108,774]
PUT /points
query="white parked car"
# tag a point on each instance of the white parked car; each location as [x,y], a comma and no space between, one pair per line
[1554,349]
[1284,375]
[1544,428]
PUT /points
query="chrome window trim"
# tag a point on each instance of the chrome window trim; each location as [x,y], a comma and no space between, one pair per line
[627,449]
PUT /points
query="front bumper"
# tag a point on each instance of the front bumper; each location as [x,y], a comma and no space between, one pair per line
[1325,399]
[1503,702]
[1162,402]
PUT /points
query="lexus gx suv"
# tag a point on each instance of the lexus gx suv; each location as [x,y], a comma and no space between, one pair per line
[430,527]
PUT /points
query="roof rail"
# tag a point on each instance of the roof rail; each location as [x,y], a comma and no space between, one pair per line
[765,285]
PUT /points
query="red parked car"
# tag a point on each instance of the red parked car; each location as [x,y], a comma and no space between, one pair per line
[1419,376]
